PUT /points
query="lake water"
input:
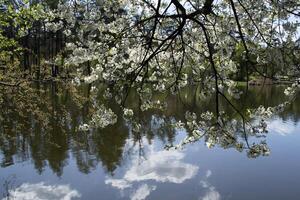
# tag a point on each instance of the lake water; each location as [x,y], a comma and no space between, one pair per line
[43,156]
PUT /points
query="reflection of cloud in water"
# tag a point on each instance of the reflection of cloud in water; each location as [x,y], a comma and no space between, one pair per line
[160,166]
[211,193]
[118,183]
[280,127]
[142,192]
[40,191]
[208,173]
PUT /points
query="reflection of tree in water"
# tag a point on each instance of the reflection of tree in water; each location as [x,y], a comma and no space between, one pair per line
[238,128]
[41,124]
[37,123]
[100,145]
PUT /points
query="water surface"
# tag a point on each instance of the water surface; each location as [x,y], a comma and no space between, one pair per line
[43,155]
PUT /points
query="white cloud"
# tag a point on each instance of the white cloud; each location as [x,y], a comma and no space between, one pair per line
[40,191]
[142,192]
